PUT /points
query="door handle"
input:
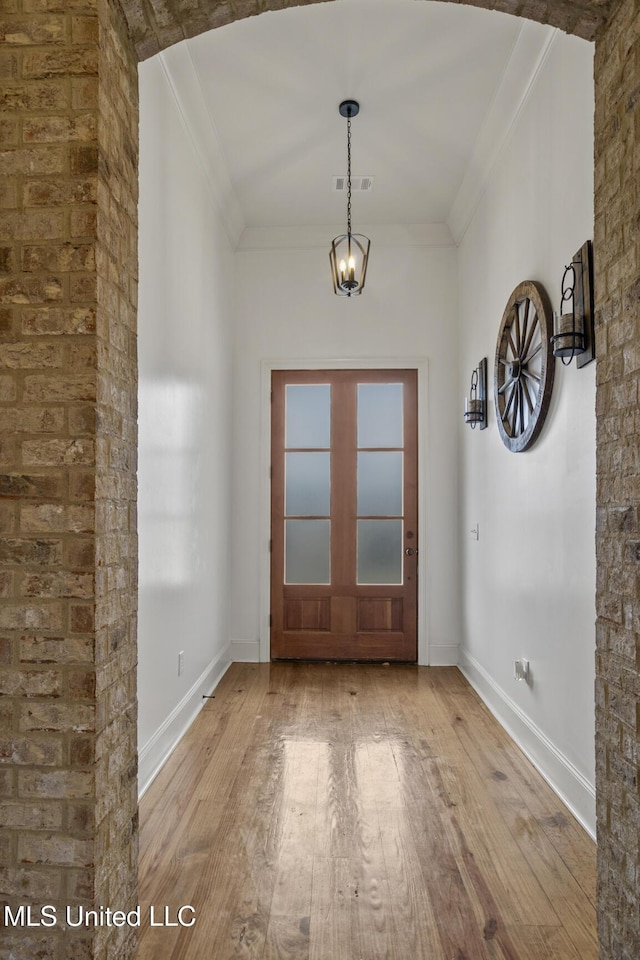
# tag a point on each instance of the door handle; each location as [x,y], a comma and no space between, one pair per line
[409,552]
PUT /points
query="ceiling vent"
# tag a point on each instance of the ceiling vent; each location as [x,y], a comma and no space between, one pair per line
[362,184]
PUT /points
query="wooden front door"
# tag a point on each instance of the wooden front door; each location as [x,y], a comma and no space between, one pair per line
[344,545]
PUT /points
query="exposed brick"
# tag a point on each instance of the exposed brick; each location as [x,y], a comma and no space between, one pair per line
[55,849]
[7,588]
[56,716]
[52,95]
[29,356]
[34,485]
[8,389]
[37,160]
[81,618]
[34,885]
[56,784]
[63,584]
[66,110]
[30,289]
[61,129]
[617,722]
[31,683]
[36,649]
[34,816]
[34,30]
[31,616]
[60,258]
[42,64]
[57,452]
[50,518]
[35,750]
[39,552]
[37,225]
[59,321]
[8,518]
[51,193]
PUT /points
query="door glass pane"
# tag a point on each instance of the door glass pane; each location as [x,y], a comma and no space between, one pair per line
[380,484]
[308,485]
[308,415]
[380,415]
[379,551]
[307,551]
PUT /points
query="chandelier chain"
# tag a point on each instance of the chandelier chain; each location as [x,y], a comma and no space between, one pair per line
[349,176]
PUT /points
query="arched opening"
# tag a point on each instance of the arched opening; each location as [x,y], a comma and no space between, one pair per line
[84,765]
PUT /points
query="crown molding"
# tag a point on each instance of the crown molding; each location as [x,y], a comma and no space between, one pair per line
[529,54]
[185,85]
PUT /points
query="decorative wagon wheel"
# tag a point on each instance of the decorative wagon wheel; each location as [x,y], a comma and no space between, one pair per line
[524,367]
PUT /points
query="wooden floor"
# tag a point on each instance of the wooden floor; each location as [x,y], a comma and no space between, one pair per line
[359,812]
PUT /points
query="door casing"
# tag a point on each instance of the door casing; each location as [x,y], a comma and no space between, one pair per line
[412,363]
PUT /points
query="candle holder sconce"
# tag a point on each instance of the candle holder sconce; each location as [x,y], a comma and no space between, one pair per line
[574,331]
[475,405]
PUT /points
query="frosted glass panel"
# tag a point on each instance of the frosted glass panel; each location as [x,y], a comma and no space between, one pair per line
[380,415]
[307,551]
[379,551]
[308,484]
[380,484]
[308,415]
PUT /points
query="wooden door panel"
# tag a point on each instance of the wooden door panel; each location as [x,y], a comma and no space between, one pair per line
[375,614]
[307,614]
[344,619]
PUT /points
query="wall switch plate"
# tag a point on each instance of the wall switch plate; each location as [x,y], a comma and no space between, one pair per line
[180,662]
[475,532]
[521,669]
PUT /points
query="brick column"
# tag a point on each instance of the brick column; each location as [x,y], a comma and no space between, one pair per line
[68,805]
[617,253]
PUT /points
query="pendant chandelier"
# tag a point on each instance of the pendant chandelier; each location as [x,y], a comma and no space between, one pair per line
[349,252]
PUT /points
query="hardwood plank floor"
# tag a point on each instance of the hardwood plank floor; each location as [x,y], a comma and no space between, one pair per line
[359,812]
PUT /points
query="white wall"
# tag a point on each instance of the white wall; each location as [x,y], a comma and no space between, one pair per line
[528,584]
[210,318]
[185,314]
[287,311]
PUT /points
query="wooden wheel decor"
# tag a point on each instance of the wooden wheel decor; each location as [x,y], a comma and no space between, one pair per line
[524,367]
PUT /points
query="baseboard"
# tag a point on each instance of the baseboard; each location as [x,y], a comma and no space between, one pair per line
[156,751]
[245,651]
[443,655]
[575,791]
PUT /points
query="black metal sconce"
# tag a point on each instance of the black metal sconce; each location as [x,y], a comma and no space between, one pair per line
[574,332]
[475,405]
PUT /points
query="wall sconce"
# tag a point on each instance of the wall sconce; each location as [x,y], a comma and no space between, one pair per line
[475,405]
[574,332]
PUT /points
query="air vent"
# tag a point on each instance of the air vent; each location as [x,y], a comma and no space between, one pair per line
[362,184]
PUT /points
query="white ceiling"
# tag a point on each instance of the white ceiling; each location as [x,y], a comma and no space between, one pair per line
[427,76]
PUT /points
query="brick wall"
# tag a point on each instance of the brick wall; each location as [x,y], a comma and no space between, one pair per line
[157,24]
[114,627]
[68,127]
[617,252]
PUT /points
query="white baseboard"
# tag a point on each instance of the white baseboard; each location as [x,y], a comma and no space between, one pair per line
[245,651]
[156,751]
[443,655]
[575,791]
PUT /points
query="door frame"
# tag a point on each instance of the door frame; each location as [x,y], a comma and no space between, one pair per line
[420,364]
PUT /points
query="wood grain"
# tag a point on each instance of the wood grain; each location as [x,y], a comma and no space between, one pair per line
[344,619]
[339,811]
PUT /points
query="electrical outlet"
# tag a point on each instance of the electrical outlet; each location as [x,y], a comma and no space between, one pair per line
[180,662]
[521,670]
